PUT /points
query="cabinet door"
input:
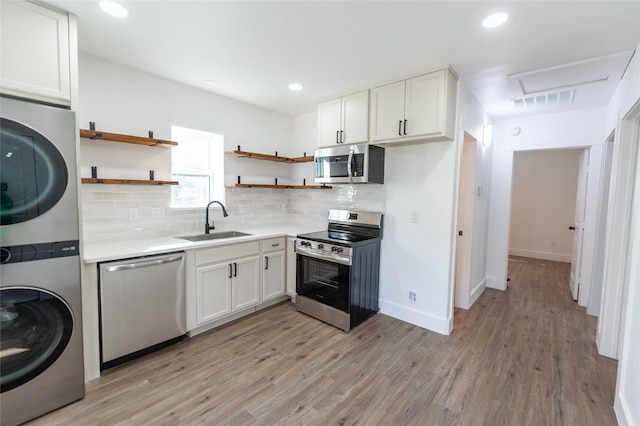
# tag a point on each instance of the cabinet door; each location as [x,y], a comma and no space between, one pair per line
[329,116]
[213,292]
[246,283]
[423,104]
[291,267]
[387,111]
[35,53]
[355,117]
[273,275]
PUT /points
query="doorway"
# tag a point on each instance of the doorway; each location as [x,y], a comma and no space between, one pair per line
[543,204]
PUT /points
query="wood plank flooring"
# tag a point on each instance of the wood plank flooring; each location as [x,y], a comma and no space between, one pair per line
[526,356]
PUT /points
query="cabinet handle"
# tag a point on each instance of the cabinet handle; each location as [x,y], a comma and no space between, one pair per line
[400,128]
[337,136]
[235,269]
[405,127]
[230,271]
[341,136]
[266,262]
[275,245]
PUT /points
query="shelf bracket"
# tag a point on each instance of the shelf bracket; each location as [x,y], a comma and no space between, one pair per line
[97,136]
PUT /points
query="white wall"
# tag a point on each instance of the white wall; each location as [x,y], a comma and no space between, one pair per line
[123,100]
[543,204]
[576,129]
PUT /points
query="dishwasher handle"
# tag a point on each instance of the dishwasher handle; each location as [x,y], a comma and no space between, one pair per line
[125,266]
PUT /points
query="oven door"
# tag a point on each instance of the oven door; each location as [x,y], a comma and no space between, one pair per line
[324,281]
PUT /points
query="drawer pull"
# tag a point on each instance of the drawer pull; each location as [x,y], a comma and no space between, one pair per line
[275,245]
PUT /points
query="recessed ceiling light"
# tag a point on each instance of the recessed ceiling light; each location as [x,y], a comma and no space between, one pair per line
[295,87]
[114,9]
[495,20]
[211,83]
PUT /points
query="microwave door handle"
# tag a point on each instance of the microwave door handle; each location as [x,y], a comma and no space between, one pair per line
[349,168]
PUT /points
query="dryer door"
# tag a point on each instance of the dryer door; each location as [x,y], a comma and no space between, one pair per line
[36,327]
[33,173]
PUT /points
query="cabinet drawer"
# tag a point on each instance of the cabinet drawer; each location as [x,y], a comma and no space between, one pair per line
[273,244]
[231,251]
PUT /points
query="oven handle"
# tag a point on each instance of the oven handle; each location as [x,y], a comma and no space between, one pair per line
[335,259]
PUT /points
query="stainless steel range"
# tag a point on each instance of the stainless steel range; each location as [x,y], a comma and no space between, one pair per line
[338,270]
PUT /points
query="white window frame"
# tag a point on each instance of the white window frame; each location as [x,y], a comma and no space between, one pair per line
[215,172]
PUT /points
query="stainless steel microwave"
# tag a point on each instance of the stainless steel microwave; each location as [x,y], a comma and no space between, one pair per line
[358,163]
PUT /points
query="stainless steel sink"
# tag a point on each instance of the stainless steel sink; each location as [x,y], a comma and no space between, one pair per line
[214,236]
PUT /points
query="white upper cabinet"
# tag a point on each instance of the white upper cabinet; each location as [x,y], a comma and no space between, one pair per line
[35,53]
[344,120]
[422,107]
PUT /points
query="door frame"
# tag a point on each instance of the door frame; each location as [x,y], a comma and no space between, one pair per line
[625,403]
[617,261]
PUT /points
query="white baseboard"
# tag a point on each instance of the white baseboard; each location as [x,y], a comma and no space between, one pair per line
[544,255]
[477,291]
[496,283]
[623,411]
[415,317]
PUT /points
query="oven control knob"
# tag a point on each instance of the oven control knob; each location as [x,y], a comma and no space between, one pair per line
[320,246]
[336,249]
[305,244]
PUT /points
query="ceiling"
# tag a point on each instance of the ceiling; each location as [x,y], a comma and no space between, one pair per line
[254,50]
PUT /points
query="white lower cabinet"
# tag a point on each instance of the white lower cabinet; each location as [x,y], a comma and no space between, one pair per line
[273,269]
[227,279]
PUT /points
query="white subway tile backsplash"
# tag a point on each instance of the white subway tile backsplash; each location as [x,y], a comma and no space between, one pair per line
[106,216]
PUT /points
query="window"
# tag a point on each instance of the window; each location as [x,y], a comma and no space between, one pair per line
[198,164]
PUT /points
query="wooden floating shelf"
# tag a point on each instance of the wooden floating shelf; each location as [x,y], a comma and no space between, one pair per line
[267,157]
[256,185]
[128,182]
[116,137]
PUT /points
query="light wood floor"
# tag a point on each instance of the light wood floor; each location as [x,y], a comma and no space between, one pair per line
[522,357]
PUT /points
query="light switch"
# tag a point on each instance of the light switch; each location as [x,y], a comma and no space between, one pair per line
[415,217]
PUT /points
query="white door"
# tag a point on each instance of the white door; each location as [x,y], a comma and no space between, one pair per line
[578,226]
[465,223]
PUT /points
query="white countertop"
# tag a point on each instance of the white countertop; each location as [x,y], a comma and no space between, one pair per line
[100,252]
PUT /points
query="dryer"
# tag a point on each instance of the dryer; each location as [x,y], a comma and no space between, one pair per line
[41,358]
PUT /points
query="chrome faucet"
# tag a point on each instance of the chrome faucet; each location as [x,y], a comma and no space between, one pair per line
[208,227]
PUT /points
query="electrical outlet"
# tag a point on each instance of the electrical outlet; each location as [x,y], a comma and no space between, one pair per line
[133,213]
[554,243]
[241,208]
[413,296]
[157,212]
[415,217]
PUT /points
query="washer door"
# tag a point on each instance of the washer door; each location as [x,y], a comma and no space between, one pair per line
[33,173]
[36,327]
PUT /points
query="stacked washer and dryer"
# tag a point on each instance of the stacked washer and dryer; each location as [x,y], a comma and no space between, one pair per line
[41,359]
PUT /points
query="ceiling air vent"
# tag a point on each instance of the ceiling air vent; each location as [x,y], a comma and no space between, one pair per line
[564,97]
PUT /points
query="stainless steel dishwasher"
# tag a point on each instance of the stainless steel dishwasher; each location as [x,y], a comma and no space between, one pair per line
[142,306]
